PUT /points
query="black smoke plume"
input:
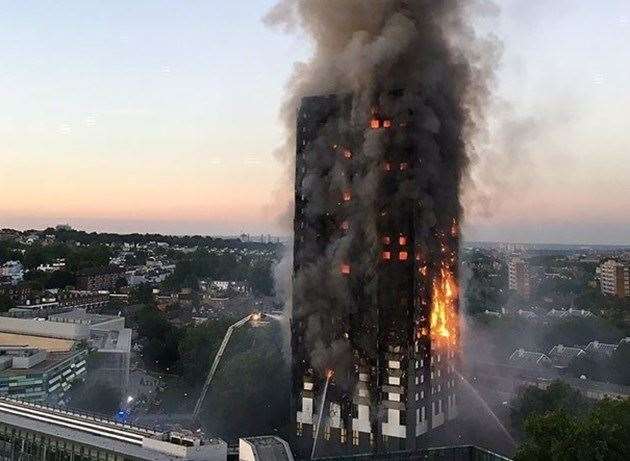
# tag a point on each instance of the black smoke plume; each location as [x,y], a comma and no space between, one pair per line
[420,63]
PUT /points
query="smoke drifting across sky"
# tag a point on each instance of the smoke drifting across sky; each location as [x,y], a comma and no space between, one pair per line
[364,47]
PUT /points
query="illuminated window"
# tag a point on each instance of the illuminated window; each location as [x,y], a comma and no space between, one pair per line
[387,255]
[387,240]
[355,438]
[343,435]
[403,256]
[402,240]
[347,153]
[345,225]
[404,166]
[347,196]
[387,123]
[387,166]
[345,269]
[375,124]
[327,433]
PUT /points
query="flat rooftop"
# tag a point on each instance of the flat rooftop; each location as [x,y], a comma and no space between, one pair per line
[112,341]
[52,360]
[82,317]
[36,342]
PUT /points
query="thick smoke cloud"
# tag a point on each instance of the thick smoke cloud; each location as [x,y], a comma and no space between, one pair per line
[369,49]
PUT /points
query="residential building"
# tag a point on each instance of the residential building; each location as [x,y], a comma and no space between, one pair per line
[100,279]
[13,270]
[528,359]
[519,280]
[561,356]
[602,350]
[386,309]
[615,278]
[56,265]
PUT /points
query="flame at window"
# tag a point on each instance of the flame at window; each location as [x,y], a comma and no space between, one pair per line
[444,305]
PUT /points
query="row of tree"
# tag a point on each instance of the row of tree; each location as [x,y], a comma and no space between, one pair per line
[256,271]
[559,424]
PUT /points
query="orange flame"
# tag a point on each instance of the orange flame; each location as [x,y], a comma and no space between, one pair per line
[444,305]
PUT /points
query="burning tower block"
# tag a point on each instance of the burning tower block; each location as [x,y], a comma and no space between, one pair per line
[375,274]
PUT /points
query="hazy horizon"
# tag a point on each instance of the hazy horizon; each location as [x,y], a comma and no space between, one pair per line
[142,117]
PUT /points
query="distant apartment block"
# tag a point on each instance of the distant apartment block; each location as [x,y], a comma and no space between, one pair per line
[615,279]
[519,279]
[12,270]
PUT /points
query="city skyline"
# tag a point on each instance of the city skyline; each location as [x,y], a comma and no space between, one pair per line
[108,134]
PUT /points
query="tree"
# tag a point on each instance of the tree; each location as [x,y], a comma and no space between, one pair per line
[535,401]
[161,339]
[197,348]
[602,434]
[5,303]
[142,294]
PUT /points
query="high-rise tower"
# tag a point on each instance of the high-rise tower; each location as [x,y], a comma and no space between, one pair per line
[375,275]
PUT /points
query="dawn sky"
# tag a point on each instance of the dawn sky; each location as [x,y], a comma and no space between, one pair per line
[158,115]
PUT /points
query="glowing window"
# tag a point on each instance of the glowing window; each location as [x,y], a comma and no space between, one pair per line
[345,269]
[402,240]
[387,240]
[347,196]
[347,153]
[375,124]
[403,256]
[404,166]
[345,225]
[387,166]
[387,255]
[387,123]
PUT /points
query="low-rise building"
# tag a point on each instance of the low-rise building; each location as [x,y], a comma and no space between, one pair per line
[561,356]
[32,432]
[100,279]
[528,359]
[38,375]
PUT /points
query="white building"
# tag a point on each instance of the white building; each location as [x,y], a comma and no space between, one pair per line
[13,270]
[56,265]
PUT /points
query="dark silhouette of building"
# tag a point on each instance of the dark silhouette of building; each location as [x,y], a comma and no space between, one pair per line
[375,294]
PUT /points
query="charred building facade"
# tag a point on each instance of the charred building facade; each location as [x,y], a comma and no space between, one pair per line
[375,298]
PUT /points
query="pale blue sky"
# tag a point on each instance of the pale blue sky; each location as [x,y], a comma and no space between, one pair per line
[162,115]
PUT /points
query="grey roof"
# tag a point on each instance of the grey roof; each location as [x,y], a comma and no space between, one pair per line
[605,349]
[269,448]
[81,316]
[529,358]
[561,355]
